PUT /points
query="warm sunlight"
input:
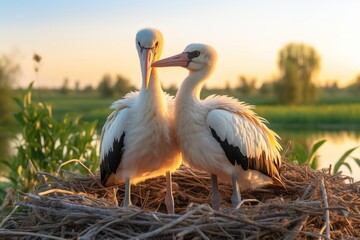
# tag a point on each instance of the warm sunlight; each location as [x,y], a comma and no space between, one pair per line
[84,41]
[164,119]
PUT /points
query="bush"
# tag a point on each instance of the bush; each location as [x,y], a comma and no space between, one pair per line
[46,143]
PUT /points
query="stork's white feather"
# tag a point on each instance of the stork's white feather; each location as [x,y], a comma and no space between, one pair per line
[144,121]
[234,124]
[115,126]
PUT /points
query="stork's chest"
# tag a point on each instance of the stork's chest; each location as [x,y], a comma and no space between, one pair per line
[190,124]
[149,125]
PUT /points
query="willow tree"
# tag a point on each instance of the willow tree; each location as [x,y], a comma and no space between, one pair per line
[298,64]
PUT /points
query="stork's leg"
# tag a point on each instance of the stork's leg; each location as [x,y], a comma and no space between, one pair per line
[115,190]
[235,198]
[127,199]
[169,198]
[215,198]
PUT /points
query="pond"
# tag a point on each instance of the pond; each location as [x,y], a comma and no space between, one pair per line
[338,142]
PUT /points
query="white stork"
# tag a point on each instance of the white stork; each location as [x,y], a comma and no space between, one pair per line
[137,140]
[221,135]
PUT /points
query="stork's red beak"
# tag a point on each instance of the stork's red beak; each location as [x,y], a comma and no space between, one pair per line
[181,60]
[147,57]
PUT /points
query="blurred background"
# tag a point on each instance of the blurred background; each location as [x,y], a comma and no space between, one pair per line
[298,62]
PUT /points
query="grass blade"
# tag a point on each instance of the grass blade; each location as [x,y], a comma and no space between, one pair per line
[341,161]
[357,160]
[316,146]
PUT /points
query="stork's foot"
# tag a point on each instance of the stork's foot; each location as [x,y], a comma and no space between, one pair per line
[115,190]
[169,198]
[215,197]
[235,197]
[215,203]
[169,202]
[127,199]
[236,200]
[127,203]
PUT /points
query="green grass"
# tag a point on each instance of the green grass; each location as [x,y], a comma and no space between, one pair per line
[327,114]
[90,106]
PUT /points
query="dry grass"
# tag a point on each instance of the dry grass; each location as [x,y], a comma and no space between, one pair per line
[314,205]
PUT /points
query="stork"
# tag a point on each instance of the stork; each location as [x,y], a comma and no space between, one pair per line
[137,140]
[219,134]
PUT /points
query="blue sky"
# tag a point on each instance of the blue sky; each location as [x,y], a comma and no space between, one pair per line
[82,40]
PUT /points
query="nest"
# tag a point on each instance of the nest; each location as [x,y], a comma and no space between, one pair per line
[315,204]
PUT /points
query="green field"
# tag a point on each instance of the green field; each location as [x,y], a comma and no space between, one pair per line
[327,114]
[324,116]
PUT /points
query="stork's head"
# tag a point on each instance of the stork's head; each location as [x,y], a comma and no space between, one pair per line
[149,43]
[195,57]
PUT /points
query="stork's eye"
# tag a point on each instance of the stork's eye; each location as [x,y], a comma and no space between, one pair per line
[194,54]
[139,44]
[156,44]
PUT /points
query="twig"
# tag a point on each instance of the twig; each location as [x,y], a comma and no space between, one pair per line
[9,195]
[48,175]
[8,216]
[286,149]
[20,233]
[56,191]
[198,230]
[326,205]
[33,169]
[315,235]
[247,201]
[79,162]
[166,226]
[87,209]
[295,232]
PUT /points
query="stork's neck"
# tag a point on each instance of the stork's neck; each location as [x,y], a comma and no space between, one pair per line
[192,85]
[154,86]
[154,96]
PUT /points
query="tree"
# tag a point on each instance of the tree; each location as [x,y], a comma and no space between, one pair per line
[88,89]
[355,87]
[266,88]
[331,87]
[227,86]
[247,86]
[104,87]
[65,87]
[298,64]
[122,85]
[77,86]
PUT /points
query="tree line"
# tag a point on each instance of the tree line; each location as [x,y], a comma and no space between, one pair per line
[298,64]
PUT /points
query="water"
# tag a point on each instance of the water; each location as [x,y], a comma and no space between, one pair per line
[338,142]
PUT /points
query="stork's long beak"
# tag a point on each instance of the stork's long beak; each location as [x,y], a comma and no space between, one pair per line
[147,57]
[181,60]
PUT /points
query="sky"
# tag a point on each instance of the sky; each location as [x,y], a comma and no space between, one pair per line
[83,39]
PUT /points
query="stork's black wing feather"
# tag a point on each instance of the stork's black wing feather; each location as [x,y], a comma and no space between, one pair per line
[112,159]
[232,153]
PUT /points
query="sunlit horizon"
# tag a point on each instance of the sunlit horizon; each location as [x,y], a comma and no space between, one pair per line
[83,40]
